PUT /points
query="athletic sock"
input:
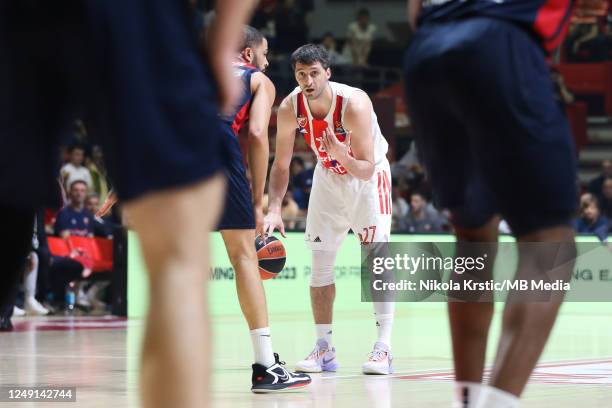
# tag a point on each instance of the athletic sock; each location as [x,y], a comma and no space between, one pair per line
[262,346]
[324,331]
[494,397]
[384,313]
[466,394]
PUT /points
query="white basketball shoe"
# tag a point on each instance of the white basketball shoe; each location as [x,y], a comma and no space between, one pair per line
[322,358]
[379,360]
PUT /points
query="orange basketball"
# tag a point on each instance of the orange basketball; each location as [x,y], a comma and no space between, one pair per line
[271,256]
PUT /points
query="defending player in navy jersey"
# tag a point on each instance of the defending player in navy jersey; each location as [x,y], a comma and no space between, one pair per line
[493,140]
[243,212]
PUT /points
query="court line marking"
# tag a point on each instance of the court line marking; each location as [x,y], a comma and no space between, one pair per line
[449,371]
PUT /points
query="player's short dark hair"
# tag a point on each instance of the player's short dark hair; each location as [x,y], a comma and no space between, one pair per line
[297,159]
[75,182]
[364,12]
[76,146]
[310,54]
[252,37]
[418,193]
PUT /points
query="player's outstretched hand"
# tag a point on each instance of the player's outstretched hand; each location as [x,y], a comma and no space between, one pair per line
[274,221]
[335,148]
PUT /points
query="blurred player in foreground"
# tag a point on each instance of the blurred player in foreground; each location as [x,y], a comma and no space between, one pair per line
[351,189]
[490,135]
[135,69]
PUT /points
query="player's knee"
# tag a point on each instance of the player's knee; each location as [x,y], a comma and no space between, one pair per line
[239,257]
[241,249]
[485,230]
[322,268]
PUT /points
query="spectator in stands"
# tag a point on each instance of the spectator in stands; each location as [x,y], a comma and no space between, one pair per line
[400,206]
[596,184]
[55,272]
[606,198]
[263,20]
[291,24]
[408,169]
[331,45]
[591,221]
[74,169]
[102,227]
[290,212]
[74,219]
[295,168]
[30,280]
[360,36]
[302,185]
[419,218]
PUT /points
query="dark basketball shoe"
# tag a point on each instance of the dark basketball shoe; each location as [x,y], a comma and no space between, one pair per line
[276,378]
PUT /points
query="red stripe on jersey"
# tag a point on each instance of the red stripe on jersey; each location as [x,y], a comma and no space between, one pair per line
[386,189]
[380,194]
[387,192]
[243,64]
[241,117]
[552,22]
[337,118]
[302,115]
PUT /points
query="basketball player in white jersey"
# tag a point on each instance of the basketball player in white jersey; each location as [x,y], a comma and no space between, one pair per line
[351,190]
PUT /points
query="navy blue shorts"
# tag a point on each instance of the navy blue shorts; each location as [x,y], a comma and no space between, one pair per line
[238,211]
[134,70]
[488,129]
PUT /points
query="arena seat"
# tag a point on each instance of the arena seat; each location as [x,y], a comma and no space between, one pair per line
[105,249]
[577,117]
[590,79]
[58,246]
[90,249]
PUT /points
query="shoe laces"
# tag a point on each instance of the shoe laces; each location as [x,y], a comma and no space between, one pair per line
[316,353]
[278,361]
[377,355]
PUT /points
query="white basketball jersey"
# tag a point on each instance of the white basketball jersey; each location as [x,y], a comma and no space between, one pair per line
[312,129]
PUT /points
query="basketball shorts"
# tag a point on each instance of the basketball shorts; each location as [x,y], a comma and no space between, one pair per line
[238,210]
[339,203]
[135,73]
[489,131]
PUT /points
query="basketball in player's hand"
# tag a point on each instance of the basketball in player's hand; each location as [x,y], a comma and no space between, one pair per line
[271,256]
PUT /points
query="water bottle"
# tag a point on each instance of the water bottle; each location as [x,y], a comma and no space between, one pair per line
[70,298]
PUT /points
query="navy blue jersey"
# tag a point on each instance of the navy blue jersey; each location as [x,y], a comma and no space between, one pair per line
[547,19]
[78,223]
[241,113]
[238,210]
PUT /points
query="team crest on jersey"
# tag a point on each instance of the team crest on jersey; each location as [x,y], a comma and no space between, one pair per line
[301,122]
[339,130]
